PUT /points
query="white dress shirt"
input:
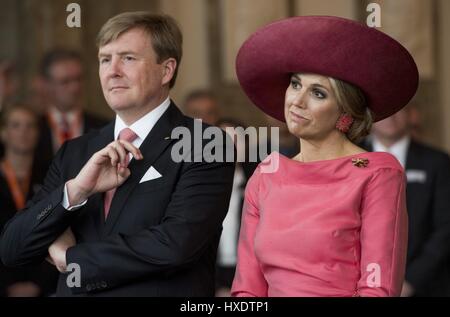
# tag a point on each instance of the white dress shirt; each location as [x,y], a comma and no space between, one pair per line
[399,149]
[227,252]
[142,128]
[75,124]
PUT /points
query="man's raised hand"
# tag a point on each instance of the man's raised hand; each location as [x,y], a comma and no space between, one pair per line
[106,169]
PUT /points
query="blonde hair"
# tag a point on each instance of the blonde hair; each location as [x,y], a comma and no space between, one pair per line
[166,37]
[351,100]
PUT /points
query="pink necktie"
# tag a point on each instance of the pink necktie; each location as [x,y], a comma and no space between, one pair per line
[65,128]
[126,135]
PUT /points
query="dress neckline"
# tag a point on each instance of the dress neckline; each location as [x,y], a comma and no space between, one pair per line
[338,159]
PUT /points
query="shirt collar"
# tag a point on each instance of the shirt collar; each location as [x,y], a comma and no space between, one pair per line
[70,115]
[399,149]
[144,125]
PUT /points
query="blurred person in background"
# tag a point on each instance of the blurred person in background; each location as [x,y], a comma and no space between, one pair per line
[8,83]
[38,97]
[65,119]
[428,203]
[227,251]
[8,88]
[202,104]
[415,122]
[20,179]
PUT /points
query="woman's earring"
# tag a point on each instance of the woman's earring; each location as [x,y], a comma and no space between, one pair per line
[344,122]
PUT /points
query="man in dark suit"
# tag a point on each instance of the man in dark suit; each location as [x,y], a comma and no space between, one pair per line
[143,223]
[428,202]
[65,118]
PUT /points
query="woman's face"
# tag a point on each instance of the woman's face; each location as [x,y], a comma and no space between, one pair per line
[20,133]
[311,109]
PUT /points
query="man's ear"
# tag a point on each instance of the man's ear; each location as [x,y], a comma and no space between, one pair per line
[169,67]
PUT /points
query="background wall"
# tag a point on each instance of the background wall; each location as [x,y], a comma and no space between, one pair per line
[214,30]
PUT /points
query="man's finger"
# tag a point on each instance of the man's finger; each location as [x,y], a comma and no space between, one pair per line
[123,172]
[121,150]
[113,156]
[132,149]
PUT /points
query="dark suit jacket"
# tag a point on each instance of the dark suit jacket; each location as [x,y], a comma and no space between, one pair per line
[428,204]
[44,151]
[44,275]
[161,236]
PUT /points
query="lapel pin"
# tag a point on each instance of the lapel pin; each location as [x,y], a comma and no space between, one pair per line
[167,138]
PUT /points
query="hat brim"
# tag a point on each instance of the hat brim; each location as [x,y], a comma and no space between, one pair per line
[330,46]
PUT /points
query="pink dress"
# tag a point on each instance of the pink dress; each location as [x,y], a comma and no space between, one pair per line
[324,228]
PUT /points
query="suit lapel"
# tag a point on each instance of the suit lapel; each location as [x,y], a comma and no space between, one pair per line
[153,146]
[412,156]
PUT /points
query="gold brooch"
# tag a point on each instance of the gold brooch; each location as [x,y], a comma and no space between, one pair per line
[360,162]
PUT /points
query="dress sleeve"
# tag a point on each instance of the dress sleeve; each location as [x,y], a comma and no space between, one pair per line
[384,230]
[249,280]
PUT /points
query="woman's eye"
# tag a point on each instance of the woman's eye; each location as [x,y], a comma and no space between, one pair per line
[295,84]
[319,94]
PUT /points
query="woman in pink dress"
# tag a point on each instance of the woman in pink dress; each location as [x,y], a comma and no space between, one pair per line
[332,220]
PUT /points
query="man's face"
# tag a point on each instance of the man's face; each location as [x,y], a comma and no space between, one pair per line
[204,108]
[394,127]
[131,79]
[65,84]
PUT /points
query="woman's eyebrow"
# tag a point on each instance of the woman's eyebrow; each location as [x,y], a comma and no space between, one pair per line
[319,86]
[315,85]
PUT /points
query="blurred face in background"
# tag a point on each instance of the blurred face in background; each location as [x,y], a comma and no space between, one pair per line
[8,81]
[393,128]
[20,132]
[204,108]
[234,131]
[65,84]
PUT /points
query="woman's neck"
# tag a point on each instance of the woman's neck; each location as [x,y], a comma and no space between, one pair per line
[330,148]
[21,163]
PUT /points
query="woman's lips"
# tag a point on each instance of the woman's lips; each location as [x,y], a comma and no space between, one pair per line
[297,117]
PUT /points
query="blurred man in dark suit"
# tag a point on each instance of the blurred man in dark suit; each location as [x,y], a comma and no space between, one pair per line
[65,119]
[428,202]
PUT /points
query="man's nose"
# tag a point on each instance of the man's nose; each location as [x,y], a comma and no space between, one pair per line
[115,69]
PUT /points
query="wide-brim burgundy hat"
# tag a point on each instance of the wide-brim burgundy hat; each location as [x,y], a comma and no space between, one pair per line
[330,46]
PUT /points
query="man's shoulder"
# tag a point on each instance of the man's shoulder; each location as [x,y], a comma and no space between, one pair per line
[195,125]
[429,153]
[84,139]
[94,121]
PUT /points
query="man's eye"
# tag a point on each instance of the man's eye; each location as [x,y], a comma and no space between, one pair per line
[104,60]
[129,58]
